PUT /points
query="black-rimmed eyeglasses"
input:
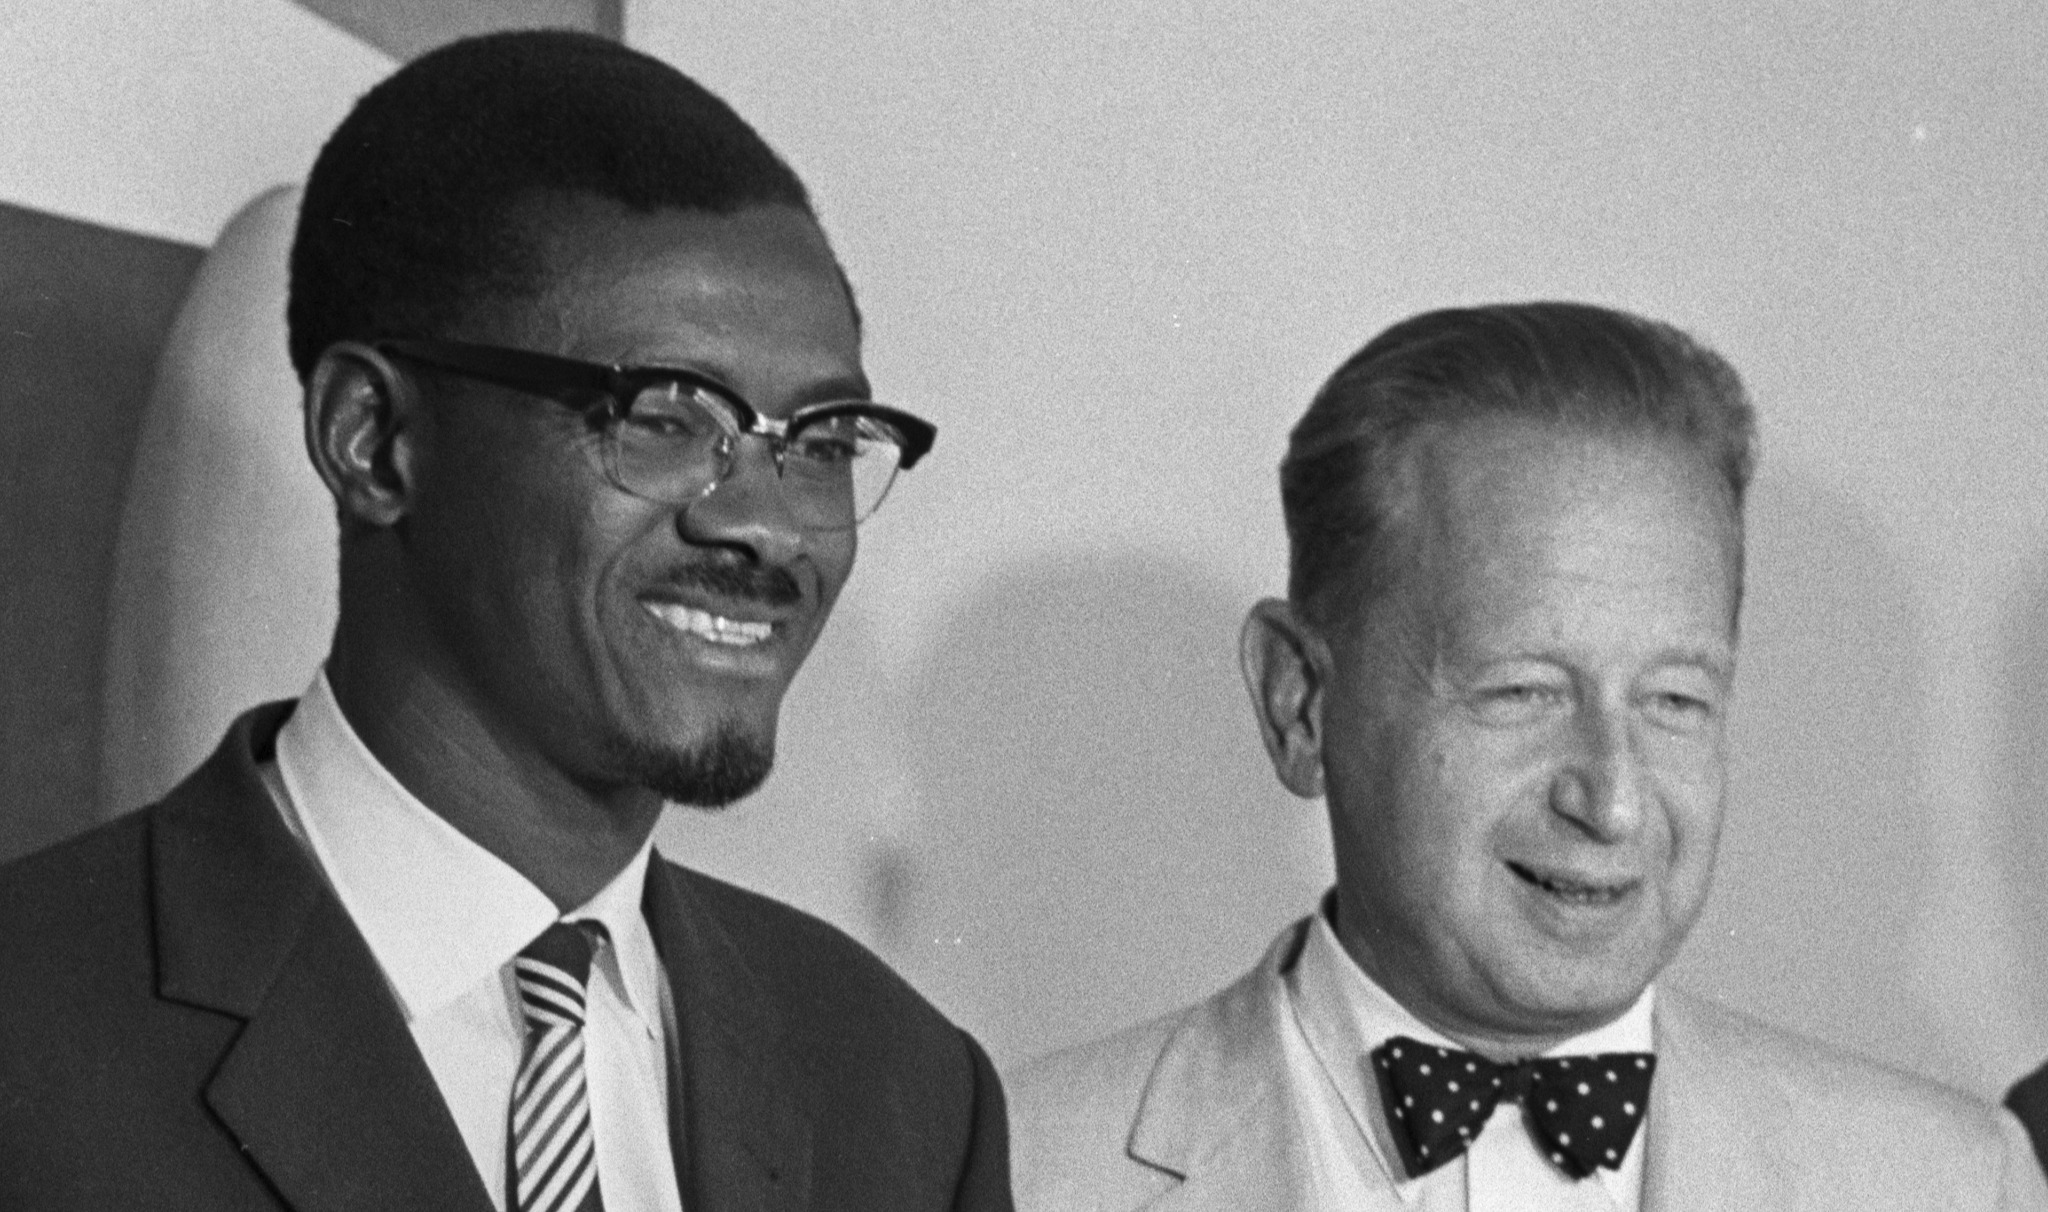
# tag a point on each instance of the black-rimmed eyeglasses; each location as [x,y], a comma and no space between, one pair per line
[670,435]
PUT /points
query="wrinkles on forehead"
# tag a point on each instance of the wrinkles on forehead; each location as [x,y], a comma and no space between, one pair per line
[1463,542]
[1418,481]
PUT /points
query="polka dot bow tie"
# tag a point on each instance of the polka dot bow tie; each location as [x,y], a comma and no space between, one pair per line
[1582,1110]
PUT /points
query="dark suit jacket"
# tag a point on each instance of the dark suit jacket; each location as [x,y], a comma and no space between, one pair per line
[2028,1099]
[190,1020]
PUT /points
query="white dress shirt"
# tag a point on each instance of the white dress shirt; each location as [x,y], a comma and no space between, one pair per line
[1339,1016]
[445,919]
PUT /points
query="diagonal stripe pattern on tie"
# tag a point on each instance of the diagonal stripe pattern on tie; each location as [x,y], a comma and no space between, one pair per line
[553,1151]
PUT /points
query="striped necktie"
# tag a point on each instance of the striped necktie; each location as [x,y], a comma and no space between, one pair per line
[553,1156]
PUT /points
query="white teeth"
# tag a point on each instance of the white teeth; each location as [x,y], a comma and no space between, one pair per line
[1584,893]
[1568,889]
[717,629]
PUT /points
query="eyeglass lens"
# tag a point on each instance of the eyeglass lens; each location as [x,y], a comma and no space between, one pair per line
[676,442]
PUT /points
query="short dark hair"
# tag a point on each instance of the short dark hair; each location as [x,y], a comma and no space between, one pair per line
[1572,366]
[408,214]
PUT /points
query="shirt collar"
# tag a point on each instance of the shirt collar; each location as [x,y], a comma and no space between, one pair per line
[633,959]
[440,913]
[1345,1014]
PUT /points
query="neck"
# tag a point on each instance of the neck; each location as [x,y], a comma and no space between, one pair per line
[567,837]
[1495,1041]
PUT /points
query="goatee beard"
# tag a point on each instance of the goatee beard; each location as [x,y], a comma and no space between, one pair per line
[726,767]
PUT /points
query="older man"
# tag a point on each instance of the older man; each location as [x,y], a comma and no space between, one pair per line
[1505,661]
[584,379]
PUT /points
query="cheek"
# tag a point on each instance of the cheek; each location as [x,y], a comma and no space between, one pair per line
[1691,780]
[1494,785]
[832,554]
[531,550]
[1439,820]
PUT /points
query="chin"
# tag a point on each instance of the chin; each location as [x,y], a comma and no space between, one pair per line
[717,771]
[1588,999]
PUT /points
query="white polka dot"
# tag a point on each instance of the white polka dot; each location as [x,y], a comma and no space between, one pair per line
[1442,1053]
[1470,1067]
[1584,1088]
[1558,1158]
[1641,1063]
[1397,1054]
[1610,1155]
[1464,1131]
[1454,1087]
[1564,1138]
[1425,1071]
[1436,1117]
[1551,1105]
[1424,1150]
[1611,1077]
[1408,1101]
[1598,1122]
[1628,1108]
[1475,1104]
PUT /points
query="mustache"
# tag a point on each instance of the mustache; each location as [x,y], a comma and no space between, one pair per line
[768,586]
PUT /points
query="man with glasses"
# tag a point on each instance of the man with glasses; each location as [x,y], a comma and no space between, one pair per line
[584,379]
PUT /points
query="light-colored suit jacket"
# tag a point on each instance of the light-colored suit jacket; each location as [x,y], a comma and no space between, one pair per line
[1188,1113]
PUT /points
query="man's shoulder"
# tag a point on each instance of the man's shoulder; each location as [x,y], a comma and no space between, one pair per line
[97,886]
[1837,1116]
[789,946]
[1090,1092]
[1072,1116]
[1748,1051]
[92,886]
[1113,1122]
[78,953]
[831,990]
[912,1101]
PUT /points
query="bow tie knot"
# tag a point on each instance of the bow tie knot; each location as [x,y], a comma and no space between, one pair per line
[1582,1110]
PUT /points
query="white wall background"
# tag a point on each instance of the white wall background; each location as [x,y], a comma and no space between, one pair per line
[166,116]
[1113,248]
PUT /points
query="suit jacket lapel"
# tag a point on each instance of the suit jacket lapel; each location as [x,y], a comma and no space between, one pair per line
[323,1087]
[741,1141]
[1713,1139]
[1216,1113]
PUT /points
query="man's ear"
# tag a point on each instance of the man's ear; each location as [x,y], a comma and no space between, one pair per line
[1286,668]
[363,429]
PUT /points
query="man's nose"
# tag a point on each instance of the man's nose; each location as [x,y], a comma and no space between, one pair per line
[748,508]
[1600,787]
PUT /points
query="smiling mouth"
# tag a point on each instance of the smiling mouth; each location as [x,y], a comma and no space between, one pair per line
[712,628]
[1591,894]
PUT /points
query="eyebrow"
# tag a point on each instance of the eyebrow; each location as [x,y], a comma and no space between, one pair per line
[1721,665]
[1716,664]
[839,387]
[830,389]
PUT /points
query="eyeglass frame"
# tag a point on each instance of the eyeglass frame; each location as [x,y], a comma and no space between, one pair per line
[617,386]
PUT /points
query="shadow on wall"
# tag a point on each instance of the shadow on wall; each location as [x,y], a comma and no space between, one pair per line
[83,312]
[226,570]
[1827,855]
[820,833]
[1101,837]
[2019,787]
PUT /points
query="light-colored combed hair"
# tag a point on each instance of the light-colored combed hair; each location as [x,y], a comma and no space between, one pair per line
[1572,366]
